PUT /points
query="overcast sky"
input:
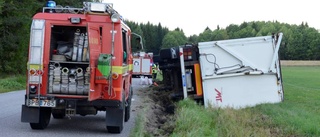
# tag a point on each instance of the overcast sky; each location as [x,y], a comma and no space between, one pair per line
[193,16]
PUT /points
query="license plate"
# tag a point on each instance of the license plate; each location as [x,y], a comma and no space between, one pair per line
[43,103]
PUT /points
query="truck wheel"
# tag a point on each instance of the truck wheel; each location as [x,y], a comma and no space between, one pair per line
[128,107]
[58,113]
[44,119]
[113,129]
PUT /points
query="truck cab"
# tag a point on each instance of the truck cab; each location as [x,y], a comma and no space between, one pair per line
[79,63]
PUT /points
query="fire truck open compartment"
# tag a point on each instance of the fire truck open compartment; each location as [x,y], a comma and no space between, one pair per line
[69,71]
[63,36]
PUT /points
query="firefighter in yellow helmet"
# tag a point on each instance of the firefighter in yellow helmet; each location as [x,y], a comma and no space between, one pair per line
[154,71]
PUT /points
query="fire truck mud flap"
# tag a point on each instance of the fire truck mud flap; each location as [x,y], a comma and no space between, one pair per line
[115,117]
[30,114]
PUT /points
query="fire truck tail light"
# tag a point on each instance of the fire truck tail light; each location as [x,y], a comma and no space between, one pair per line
[33,89]
[35,64]
[39,72]
[32,72]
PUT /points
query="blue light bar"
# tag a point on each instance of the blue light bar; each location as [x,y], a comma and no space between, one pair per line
[51,3]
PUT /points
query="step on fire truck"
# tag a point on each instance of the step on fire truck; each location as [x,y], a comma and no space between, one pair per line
[233,73]
[79,62]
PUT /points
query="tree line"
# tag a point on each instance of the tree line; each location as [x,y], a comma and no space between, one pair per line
[300,42]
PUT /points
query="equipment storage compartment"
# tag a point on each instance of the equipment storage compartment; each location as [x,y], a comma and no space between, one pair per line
[69,71]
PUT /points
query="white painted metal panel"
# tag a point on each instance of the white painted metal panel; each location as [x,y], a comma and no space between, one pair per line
[136,65]
[241,72]
[241,91]
[145,65]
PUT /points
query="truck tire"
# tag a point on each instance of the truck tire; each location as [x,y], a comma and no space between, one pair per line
[58,113]
[44,119]
[128,107]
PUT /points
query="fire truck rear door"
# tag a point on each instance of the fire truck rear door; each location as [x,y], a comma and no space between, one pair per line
[94,52]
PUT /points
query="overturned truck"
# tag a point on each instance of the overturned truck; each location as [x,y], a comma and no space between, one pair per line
[233,73]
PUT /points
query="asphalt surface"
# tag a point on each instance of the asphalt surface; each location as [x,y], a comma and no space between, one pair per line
[77,126]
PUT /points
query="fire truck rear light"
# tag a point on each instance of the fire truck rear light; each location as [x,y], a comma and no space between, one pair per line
[32,72]
[115,75]
[39,72]
[75,20]
[33,89]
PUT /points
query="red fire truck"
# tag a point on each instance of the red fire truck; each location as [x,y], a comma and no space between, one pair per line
[80,62]
[142,64]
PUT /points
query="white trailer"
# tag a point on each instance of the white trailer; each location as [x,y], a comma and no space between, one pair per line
[242,72]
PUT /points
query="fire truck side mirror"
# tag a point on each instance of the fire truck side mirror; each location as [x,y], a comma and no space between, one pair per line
[138,40]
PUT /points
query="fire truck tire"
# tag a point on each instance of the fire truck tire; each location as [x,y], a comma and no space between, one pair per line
[44,119]
[58,114]
[128,106]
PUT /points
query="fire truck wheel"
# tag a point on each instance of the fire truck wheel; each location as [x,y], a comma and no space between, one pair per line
[44,119]
[128,106]
[58,114]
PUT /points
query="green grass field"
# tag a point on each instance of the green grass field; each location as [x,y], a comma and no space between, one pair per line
[298,115]
[11,83]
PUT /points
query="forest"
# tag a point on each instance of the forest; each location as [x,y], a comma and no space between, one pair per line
[300,42]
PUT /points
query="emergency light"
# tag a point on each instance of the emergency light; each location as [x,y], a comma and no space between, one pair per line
[97,7]
[51,3]
[115,17]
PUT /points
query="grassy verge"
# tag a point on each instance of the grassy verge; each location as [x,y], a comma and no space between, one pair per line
[139,128]
[298,115]
[11,83]
[194,120]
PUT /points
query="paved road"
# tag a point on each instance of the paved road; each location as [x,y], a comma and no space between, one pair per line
[78,126]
